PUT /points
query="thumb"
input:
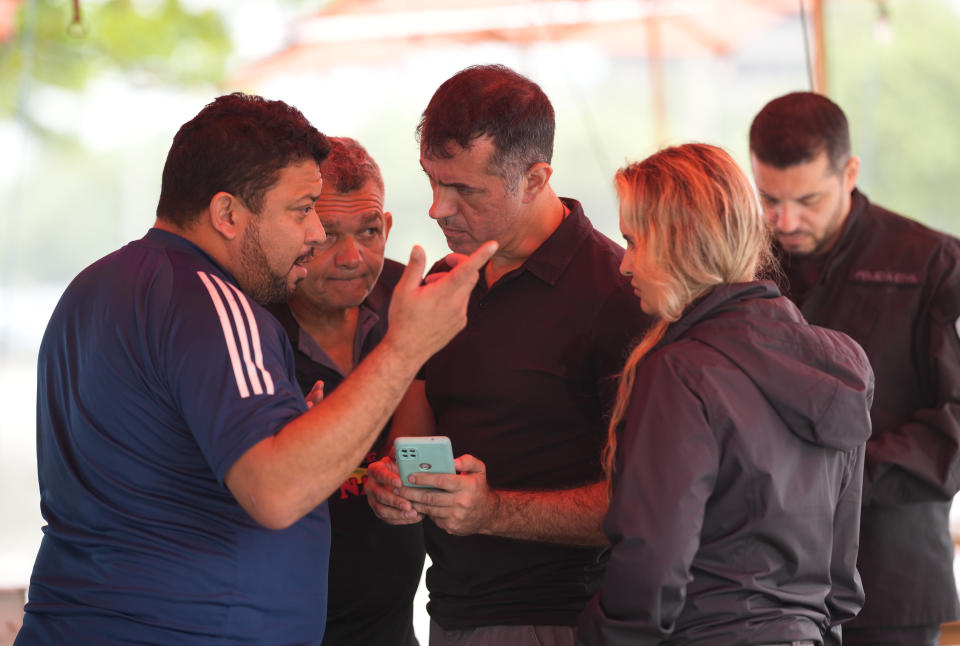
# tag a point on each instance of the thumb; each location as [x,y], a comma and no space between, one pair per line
[413,273]
[466,463]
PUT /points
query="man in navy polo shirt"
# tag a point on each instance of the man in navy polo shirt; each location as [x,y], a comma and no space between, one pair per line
[182,476]
[524,391]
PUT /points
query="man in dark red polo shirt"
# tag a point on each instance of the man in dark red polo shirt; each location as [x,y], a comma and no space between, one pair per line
[523,392]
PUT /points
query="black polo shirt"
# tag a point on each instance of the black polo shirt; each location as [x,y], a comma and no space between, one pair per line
[362,547]
[527,387]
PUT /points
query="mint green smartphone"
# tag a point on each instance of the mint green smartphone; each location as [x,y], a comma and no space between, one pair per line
[427,454]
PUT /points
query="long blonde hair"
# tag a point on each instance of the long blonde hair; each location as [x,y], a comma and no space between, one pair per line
[697,217]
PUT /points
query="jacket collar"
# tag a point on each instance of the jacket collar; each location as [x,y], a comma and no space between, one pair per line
[722,298]
[849,235]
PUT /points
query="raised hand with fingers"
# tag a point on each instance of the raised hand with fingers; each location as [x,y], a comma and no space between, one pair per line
[425,316]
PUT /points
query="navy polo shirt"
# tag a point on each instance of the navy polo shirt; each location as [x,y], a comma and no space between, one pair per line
[156,373]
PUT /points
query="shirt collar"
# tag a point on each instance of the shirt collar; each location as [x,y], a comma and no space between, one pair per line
[551,258]
[163,238]
[367,319]
[849,234]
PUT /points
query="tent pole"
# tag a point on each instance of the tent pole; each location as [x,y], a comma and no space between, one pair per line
[657,87]
[819,55]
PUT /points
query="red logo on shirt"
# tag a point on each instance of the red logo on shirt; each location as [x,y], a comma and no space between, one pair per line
[886,276]
[353,485]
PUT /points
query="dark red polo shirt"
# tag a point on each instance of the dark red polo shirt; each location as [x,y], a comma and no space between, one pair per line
[527,388]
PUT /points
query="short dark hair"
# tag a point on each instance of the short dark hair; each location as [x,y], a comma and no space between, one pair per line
[795,128]
[349,166]
[494,101]
[239,143]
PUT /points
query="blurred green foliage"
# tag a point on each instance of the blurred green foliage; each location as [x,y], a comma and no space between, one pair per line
[899,86]
[71,204]
[159,43]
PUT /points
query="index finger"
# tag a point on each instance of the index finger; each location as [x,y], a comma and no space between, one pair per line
[468,268]
[412,274]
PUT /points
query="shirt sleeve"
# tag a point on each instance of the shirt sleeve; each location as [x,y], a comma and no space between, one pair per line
[667,466]
[845,598]
[229,367]
[920,459]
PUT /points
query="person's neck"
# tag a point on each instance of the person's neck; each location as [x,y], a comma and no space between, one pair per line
[333,330]
[542,219]
[188,233]
[213,244]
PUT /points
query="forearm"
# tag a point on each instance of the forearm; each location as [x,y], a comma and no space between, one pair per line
[285,476]
[572,516]
[413,415]
[918,461]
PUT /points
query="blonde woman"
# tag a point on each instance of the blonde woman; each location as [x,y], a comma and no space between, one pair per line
[735,453]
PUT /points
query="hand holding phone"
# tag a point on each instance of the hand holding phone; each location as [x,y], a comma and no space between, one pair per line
[427,454]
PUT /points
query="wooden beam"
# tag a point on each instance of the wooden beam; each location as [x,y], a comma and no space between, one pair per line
[819,63]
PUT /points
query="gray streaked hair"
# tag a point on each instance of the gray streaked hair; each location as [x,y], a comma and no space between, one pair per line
[349,166]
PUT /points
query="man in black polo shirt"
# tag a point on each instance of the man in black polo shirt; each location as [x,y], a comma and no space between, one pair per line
[523,392]
[894,286]
[335,318]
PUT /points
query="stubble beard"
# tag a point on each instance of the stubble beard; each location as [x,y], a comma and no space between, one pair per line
[261,283]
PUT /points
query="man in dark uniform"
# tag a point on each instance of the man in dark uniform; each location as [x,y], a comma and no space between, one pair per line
[894,286]
[335,318]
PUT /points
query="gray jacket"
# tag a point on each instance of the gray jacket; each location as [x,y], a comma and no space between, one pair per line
[736,499]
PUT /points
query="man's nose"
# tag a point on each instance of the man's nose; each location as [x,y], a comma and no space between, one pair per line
[315,233]
[348,253]
[443,204]
[786,217]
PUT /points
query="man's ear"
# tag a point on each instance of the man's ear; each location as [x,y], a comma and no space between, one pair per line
[227,215]
[387,223]
[535,180]
[851,173]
